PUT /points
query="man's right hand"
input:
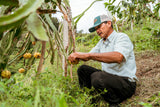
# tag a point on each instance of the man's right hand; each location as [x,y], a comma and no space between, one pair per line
[78,56]
[75,62]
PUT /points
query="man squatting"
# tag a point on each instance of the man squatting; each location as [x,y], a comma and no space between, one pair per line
[115,52]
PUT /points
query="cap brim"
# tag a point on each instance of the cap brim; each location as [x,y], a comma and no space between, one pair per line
[92,29]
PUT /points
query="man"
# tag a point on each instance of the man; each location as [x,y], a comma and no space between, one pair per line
[115,52]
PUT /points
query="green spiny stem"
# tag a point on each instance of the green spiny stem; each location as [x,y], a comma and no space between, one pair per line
[25,49]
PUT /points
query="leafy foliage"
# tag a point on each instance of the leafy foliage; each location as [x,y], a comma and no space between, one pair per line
[156,10]
[133,11]
[87,39]
[10,21]
[9,2]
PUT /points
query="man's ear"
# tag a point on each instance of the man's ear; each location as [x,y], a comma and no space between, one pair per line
[109,23]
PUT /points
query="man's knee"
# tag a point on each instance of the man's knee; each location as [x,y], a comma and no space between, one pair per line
[96,80]
[81,68]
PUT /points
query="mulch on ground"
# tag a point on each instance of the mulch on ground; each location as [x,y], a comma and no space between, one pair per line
[148,86]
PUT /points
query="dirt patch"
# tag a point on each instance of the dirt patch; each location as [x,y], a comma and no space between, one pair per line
[148,86]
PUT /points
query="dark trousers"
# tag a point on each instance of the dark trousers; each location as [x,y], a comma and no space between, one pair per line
[118,88]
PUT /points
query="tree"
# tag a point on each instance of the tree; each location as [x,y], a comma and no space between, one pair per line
[133,11]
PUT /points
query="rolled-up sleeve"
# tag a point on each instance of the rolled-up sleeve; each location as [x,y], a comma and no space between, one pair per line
[123,45]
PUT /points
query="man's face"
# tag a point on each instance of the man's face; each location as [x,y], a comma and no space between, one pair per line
[102,30]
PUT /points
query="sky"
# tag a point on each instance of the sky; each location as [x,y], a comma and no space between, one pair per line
[78,6]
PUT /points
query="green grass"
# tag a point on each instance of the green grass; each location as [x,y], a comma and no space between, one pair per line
[143,38]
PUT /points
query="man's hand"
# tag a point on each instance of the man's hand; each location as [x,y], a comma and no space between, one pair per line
[78,56]
[75,62]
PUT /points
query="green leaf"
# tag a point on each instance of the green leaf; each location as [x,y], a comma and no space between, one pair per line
[3,87]
[37,97]
[113,1]
[12,20]
[125,4]
[62,102]
[9,2]
[159,93]
[10,39]
[147,28]
[66,2]
[107,4]
[111,8]
[36,27]
[58,38]
[145,104]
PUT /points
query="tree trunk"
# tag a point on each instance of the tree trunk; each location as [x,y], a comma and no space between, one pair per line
[132,25]
[71,34]
[68,34]
[65,44]
[42,58]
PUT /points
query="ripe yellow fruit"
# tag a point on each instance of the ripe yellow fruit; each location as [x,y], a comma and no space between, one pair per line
[33,43]
[75,62]
[37,55]
[27,55]
[6,74]
[21,70]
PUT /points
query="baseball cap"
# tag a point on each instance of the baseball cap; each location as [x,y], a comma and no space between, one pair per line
[98,20]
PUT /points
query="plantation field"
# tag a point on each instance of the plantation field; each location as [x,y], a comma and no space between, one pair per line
[35,45]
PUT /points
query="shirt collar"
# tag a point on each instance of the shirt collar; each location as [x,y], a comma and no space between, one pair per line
[110,37]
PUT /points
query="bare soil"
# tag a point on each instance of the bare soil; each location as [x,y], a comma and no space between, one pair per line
[148,86]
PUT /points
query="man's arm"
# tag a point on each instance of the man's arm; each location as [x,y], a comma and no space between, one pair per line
[107,57]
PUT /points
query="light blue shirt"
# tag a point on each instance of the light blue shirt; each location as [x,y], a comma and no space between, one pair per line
[118,42]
